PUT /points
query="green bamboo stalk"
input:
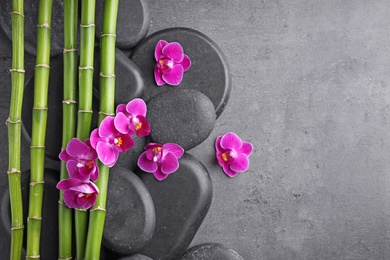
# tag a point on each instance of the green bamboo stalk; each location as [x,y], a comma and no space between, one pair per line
[39,119]
[65,214]
[14,129]
[87,47]
[107,107]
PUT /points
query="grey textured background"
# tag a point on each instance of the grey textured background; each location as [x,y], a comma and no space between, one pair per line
[311,92]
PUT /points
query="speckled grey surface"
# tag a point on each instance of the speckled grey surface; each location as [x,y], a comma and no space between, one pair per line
[310,90]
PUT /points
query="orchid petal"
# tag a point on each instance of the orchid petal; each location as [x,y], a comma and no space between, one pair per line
[174,51]
[74,171]
[186,63]
[152,145]
[174,76]
[94,172]
[121,108]
[246,148]
[176,149]
[218,144]
[240,164]
[169,163]
[68,183]
[91,201]
[84,188]
[107,127]
[107,154]
[145,164]
[158,50]
[76,148]
[127,143]
[87,171]
[136,107]
[159,175]
[231,141]
[94,138]
[121,123]
[64,156]
[158,76]
[70,199]
[221,162]
[229,172]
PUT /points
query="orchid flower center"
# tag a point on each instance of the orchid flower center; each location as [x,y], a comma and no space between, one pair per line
[165,64]
[156,153]
[137,124]
[84,195]
[228,155]
[118,141]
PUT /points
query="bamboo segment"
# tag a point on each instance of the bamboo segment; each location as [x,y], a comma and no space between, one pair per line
[86,70]
[107,106]
[14,129]
[39,121]
[69,105]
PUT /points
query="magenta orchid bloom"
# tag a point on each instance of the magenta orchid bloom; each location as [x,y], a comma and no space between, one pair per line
[171,63]
[78,194]
[108,142]
[131,118]
[80,160]
[161,160]
[232,153]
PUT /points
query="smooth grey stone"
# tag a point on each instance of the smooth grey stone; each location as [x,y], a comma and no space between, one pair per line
[132,22]
[129,83]
[136,257]
[211,251]
[49,227]
[130,217]
[129,159]
[31,22]
[182,201]
[209,72]
[182,116]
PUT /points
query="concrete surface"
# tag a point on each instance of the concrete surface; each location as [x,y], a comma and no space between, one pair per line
[311,92]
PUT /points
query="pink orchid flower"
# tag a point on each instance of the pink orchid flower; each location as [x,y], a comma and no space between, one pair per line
[232,153]
[131,118]
[108,142]
[77,193]
[80,160]
[171,63]
[161,160]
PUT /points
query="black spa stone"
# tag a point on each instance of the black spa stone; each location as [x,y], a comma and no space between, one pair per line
[182,116]
[209,72]
[182,201]
[211,251]
[49,228]
[132,23]
[130,217]
[136,257]
[129,83]
[128,159]
[31,22]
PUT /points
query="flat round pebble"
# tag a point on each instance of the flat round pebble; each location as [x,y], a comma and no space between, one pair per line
[182,201]
[31,22]
[132,23]
[209,72]
[182,116]
[136,257]
[211,251]
[130,217]
[49,229]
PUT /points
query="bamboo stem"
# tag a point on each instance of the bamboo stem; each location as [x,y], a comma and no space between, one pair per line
[69,105]
[87,47]
[107,106]
[39,119]
[14,129]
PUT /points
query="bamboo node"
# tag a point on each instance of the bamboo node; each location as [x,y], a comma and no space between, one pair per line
[34,217]
[9,121]
[69,50]
[98,208]
[44,25]
[87,25]
[106,76]
[40,108]
[17,13]
[13,171]
[17,70]
[85,111]
[42,66]
[62,203]
[36,146]
[17,228]
[107,35]
[106,114]
[86,68]
[69,101]
[33,256]
[79,209]
[32,184]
